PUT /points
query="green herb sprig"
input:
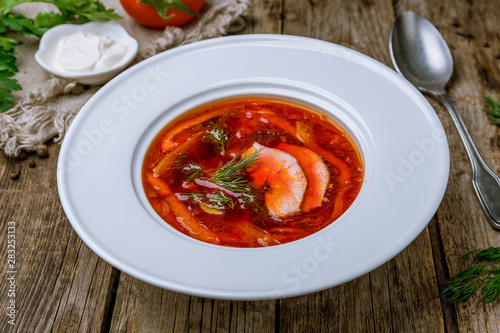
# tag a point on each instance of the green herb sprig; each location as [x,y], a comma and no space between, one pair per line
[485,275]
[495,109]
[218,136]
[218,199]
[230,176]
[192,171]
[75,11]
[221,201]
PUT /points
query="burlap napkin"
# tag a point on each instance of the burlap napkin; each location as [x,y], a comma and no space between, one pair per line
[46,105]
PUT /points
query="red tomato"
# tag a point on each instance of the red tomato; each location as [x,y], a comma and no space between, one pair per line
[149,17]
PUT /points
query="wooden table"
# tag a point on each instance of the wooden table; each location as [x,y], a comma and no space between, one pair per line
[62,286]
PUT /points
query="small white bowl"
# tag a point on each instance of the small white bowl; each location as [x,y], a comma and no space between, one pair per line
[47,49]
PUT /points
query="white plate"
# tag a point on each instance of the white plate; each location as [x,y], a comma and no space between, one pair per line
[403,144]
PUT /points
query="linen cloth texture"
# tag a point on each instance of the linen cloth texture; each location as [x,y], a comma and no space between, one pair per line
[46,106]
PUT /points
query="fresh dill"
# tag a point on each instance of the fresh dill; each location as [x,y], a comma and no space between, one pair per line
[220,199]
[230,175]
[495,109]
[259,210]
[484,275]
[492,253]
[180,159]
[192,194]
[193,171]
[218,136]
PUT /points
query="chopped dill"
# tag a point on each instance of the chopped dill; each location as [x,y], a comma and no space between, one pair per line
[192,194]
[221,200]
[180,159]
[193,171]
[218,136]
[218,199]
[230,175]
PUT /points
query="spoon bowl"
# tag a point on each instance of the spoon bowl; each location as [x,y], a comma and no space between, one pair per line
[421,55]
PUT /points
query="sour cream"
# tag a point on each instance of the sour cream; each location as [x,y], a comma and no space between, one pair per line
[87,52]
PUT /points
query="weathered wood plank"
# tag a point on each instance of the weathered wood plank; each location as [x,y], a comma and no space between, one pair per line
[471,29]
[253,316]
[449,313]
[265,17]
[360,25]
[310,313]
[141,307]
[381,299]
[61,284]
[414,297]
[144,308]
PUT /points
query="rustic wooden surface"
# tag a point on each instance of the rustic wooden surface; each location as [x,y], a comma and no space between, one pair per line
[62,286]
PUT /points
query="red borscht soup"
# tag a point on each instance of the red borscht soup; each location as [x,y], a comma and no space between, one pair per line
[251,172]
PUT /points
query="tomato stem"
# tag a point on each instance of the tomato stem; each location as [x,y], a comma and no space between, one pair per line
[162,7]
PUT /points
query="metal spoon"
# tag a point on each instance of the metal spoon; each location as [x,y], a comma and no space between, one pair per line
[421,55]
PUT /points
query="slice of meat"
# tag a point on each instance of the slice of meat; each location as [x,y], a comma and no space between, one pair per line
[286,180]
[316,172]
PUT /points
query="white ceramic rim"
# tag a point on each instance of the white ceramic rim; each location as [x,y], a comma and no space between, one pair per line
[406,165]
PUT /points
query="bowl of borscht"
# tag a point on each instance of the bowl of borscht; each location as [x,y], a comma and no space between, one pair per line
[253,167]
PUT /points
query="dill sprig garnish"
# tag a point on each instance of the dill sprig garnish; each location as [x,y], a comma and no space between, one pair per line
[492,253]
[495,109]
[218,136]
[230,175]
[220,199]
[180,159]
[192,194]
[485,275]
[192,171]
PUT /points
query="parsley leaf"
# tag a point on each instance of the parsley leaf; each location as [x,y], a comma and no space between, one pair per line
[85,10]
[7,70]
[6,97]
[45,21]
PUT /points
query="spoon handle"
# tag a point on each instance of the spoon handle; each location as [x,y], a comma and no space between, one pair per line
[486,183]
